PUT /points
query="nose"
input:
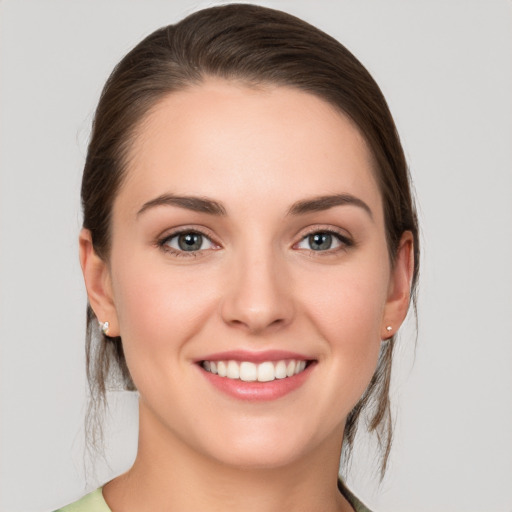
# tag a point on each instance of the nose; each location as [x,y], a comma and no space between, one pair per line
[258,297]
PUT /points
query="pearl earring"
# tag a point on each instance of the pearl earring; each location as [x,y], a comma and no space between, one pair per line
[104,327]
[389,328]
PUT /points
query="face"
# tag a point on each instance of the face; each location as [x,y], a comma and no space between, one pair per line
[248,243]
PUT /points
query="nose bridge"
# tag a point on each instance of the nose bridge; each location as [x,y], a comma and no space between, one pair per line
[258,296]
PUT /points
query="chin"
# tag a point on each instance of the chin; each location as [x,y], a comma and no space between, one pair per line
[260,458]
[261,448]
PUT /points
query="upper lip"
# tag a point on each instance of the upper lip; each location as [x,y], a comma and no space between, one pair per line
[254,357]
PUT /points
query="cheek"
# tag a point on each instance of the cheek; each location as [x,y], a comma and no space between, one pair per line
[346,307]
[159,307]
[349,303]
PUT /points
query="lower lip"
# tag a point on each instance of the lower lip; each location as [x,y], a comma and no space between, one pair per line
[258,391]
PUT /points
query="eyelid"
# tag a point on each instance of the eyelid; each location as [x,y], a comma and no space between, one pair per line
[162,240]
[346,240]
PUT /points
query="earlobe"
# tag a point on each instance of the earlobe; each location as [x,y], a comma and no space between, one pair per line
[98,283]
[399,292]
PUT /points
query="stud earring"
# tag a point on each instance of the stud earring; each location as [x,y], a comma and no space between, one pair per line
[104,327]
[389,328]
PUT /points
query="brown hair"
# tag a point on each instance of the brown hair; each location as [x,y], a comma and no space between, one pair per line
[255,45]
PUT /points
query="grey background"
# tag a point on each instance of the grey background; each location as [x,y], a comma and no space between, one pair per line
[445,68]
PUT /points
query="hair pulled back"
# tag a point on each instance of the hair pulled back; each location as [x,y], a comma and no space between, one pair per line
[254,45]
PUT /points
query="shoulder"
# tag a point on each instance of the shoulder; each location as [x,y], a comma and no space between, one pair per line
[92,502]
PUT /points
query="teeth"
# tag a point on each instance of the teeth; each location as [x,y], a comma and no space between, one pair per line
[233,370]
[222,370]
[248,371]
[251,372]
[280,370]
[266,372]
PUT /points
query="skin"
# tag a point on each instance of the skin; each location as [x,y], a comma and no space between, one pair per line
[257,285]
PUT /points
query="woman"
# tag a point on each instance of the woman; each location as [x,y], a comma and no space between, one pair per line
[249,248]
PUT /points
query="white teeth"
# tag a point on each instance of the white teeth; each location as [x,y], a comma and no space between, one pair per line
[300,367]
[251,372]
[266,372]
[280,370]
[222,371]
[248,371]
[233,370]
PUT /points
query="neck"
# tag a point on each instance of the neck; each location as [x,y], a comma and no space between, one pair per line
[169,475]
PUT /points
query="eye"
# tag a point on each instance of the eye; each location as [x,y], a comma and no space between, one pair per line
[323,241]
[187,241]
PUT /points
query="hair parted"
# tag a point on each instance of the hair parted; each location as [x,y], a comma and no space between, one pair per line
[254,45]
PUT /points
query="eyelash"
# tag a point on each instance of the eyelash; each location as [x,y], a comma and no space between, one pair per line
[345,242]
[162,243]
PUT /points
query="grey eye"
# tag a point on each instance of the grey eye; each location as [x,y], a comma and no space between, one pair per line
[189,241]
[320,241]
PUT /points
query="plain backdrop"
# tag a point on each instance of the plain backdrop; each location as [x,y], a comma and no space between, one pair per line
[445,67]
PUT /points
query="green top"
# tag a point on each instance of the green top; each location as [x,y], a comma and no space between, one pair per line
[94,502]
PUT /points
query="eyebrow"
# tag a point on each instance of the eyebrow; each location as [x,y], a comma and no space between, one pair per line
[317,204]
[212,207]
[196,204]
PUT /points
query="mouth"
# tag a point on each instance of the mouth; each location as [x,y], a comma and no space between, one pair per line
[256,376]
[248,371]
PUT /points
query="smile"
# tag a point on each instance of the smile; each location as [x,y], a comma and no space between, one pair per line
[247,371]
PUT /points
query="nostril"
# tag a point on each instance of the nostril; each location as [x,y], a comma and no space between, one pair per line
[257,322]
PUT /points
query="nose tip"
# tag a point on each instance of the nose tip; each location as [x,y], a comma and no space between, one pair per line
[256,320]
[258,298]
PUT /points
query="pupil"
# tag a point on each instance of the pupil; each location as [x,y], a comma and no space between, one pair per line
[190,242]
[320,241]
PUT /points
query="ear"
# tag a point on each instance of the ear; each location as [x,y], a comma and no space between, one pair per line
[98,283]
[399,291]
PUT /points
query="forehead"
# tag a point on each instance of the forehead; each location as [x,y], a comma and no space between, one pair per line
[226,140]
